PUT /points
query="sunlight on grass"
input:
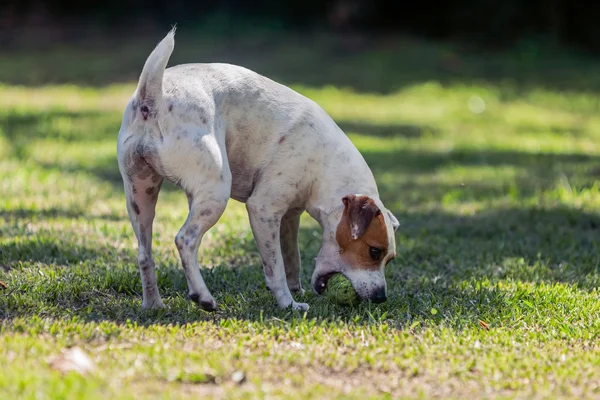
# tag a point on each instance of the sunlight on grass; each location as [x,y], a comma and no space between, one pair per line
[493,292]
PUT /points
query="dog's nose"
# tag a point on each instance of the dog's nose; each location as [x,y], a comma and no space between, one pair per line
[380,296]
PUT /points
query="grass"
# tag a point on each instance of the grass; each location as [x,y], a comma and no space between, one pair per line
[493,293]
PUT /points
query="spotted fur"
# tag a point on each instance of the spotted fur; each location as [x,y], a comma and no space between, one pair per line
[219,131]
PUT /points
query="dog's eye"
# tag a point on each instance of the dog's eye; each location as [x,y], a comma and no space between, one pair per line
[375,253]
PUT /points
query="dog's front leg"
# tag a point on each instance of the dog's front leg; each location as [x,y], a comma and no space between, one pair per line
[141,196]
[206,207]
[289,246]
[266,225]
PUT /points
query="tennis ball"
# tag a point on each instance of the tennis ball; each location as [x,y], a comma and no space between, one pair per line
[340,291]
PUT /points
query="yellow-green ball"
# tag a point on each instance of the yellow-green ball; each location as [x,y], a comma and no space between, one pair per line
[340,291]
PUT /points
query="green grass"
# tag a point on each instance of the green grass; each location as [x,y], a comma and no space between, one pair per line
[499,214]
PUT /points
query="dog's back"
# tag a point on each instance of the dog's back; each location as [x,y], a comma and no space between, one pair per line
[262,124]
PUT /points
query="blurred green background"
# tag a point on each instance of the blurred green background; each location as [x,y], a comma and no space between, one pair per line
[490,22]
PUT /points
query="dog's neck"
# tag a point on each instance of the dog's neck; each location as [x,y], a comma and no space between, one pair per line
[329,218]
[344,172]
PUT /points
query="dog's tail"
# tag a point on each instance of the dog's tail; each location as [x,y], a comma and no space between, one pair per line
[149,89]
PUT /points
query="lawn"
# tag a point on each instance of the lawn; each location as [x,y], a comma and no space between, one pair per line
[490,162]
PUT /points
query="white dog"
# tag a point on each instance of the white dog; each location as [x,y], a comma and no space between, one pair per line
[219,131]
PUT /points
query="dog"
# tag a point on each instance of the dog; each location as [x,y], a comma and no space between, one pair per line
[220,131]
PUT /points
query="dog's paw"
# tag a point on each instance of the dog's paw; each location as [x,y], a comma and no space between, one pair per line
[300,306]
[153,304]
[207,304]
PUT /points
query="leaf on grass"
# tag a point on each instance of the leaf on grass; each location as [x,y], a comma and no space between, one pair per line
[484,325]
[3,285]
[73,359]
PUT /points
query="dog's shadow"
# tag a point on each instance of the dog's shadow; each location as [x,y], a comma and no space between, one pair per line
[425,284]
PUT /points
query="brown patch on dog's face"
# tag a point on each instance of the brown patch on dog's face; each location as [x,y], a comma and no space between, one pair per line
[362,234]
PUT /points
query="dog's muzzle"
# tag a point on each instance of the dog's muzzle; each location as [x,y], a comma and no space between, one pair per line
[379,296]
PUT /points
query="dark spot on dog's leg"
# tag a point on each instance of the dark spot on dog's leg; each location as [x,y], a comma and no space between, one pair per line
[191,232]
[206,212]
[136,208]
[195,297]
[155,178]
[150,190]
[179,244]
[268,271]
[144,265]
[170,107]
[281,139]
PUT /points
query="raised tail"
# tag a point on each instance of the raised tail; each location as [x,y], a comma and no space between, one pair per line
[149,90]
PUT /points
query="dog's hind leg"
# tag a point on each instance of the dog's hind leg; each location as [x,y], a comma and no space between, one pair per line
[290,223]
[207,204]
[205,211]
[141,190]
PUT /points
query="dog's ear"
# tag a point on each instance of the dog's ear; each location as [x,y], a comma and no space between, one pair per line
[360,211]
[149,89]
[394,220]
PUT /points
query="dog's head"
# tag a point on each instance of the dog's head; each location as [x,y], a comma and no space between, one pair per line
[362,246]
